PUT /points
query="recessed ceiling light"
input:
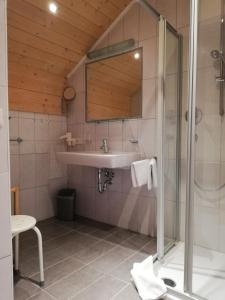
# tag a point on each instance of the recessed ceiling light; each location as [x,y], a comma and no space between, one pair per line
[136,55]
[53,7]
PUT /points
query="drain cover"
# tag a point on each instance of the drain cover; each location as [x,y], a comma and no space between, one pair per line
[169,282]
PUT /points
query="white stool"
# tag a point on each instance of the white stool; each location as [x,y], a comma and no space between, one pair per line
[19,224]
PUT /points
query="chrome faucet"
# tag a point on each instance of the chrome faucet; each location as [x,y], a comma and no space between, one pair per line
[105,146]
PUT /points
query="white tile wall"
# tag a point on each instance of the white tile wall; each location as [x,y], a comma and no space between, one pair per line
[34,167]
[4,132]
[6,286]
[5,245]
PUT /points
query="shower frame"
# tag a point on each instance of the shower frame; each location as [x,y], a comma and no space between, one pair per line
[189,218]
[164,25]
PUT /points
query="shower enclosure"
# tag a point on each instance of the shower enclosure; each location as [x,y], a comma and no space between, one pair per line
[197,262]
[205,218]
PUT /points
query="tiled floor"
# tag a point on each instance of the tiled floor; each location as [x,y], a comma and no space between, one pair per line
[83,260]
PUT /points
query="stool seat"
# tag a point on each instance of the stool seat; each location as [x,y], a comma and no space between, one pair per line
[21,223]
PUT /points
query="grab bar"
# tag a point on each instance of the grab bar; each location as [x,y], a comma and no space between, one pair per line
[18,140]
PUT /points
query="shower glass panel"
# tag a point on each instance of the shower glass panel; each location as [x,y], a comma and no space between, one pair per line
[208,268]
[169,140]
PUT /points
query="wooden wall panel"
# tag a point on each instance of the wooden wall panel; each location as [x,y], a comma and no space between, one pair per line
[43,48]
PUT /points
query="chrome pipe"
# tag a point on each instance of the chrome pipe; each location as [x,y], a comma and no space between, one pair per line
[100,184]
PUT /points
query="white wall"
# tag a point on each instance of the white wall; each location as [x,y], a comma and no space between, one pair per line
[6,289]
[34,167]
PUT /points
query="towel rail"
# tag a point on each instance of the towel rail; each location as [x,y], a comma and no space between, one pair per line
[18,140]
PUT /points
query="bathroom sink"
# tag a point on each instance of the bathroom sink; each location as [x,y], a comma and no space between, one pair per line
[98,159]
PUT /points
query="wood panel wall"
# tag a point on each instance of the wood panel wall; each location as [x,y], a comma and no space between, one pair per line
[43,48]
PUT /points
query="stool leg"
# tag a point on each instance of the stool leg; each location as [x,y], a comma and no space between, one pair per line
[40,250]
[17,252]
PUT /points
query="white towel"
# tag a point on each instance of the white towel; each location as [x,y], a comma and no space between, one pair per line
[152,175]
[140,172]
[148,285]
[144,172]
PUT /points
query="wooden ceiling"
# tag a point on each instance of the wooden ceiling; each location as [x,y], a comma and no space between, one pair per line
[43,48]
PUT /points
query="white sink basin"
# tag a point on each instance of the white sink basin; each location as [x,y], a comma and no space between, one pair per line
[98,159]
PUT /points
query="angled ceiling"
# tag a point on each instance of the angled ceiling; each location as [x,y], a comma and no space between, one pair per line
[43,48]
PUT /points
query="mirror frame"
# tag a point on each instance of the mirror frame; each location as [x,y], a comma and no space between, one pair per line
[106,57]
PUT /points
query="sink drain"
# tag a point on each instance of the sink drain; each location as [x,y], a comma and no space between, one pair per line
[169,282]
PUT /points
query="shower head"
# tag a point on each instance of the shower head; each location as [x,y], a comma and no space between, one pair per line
[216,54]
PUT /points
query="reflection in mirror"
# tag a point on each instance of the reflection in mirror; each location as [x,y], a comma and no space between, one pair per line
[114,87]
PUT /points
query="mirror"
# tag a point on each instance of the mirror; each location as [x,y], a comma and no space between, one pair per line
[114,87]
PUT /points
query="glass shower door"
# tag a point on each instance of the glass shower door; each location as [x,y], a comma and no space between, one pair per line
[169,140]
[205,250]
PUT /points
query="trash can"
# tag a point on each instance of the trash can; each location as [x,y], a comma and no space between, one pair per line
[66,204]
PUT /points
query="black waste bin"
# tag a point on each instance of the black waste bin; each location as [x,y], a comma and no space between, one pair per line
[66,204]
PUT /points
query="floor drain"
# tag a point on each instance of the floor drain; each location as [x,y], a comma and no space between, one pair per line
[169,282]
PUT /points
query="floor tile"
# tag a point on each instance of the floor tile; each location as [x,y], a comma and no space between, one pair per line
[31,266]
[150,248]
[105,288]
[73,239]
[68,246]
[59,241]
[119,236]
[50,245]
[128,293]
[136,242]
[75,225]
[123,270]
[111,259]
[53,230]
[96,228]
[42,296]
[60,270]
[73,284]
[25,289]
[103,231]
[94,251]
